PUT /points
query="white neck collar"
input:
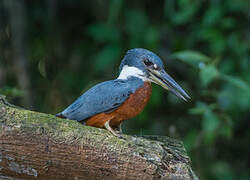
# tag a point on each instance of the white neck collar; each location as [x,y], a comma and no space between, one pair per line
[131,71]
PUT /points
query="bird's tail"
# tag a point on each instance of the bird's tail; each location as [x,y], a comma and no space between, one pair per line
[60,115]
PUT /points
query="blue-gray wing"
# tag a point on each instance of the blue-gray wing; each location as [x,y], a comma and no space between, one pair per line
[104,97]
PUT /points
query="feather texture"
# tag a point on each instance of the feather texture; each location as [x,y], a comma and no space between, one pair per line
[104,97]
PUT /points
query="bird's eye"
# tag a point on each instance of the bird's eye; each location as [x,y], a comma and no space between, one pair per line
[147,62]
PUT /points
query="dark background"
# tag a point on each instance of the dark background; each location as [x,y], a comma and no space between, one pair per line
[52,51]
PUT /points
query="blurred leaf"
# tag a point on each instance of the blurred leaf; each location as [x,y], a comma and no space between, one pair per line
[207,74]
[106,58]
[136,22]
[212,15]
[190,139]
[104,33]
[232,98]
[210,123]
[186,12]
[114,10]
[11,92]
[236,82]
[237,6]
[141,119]
[236,44]
[152,37]
[41,68]
[199,109]
[191,57]
[227,130]
[228,23]
[136,25]
[169,8]
[38,49]
[221,171]
[156,97]
[215,39]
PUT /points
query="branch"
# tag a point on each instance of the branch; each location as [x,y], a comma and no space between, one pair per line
[37,145]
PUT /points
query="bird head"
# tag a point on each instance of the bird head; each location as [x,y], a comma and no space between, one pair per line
[147,66]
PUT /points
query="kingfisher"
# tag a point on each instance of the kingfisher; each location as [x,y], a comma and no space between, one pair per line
[108,104]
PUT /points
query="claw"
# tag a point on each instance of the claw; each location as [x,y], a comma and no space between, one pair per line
[107,126]
[118,129]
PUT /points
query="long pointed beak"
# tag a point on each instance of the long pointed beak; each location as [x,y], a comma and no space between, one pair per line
[162,78]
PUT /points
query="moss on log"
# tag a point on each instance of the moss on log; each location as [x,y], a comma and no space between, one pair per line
[35,145]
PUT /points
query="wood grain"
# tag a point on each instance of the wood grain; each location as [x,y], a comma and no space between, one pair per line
[40,146]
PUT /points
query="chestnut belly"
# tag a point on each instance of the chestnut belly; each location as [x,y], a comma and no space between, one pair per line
[130,108]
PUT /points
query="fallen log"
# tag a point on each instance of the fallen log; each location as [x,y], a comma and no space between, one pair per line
[35,145]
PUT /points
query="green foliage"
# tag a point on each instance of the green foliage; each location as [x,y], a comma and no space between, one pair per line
[42,68]
[191,57]
[237,82]
[11,92]
[205,45]
[104,33]
[106,57]
[207,74]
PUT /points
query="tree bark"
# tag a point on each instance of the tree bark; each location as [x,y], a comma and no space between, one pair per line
[35,145]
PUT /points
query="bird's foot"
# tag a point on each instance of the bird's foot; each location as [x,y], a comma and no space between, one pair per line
[121,137]
[116,132]
[119,134]
[118,129]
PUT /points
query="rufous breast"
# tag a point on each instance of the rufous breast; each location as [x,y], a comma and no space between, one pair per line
[129,109]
